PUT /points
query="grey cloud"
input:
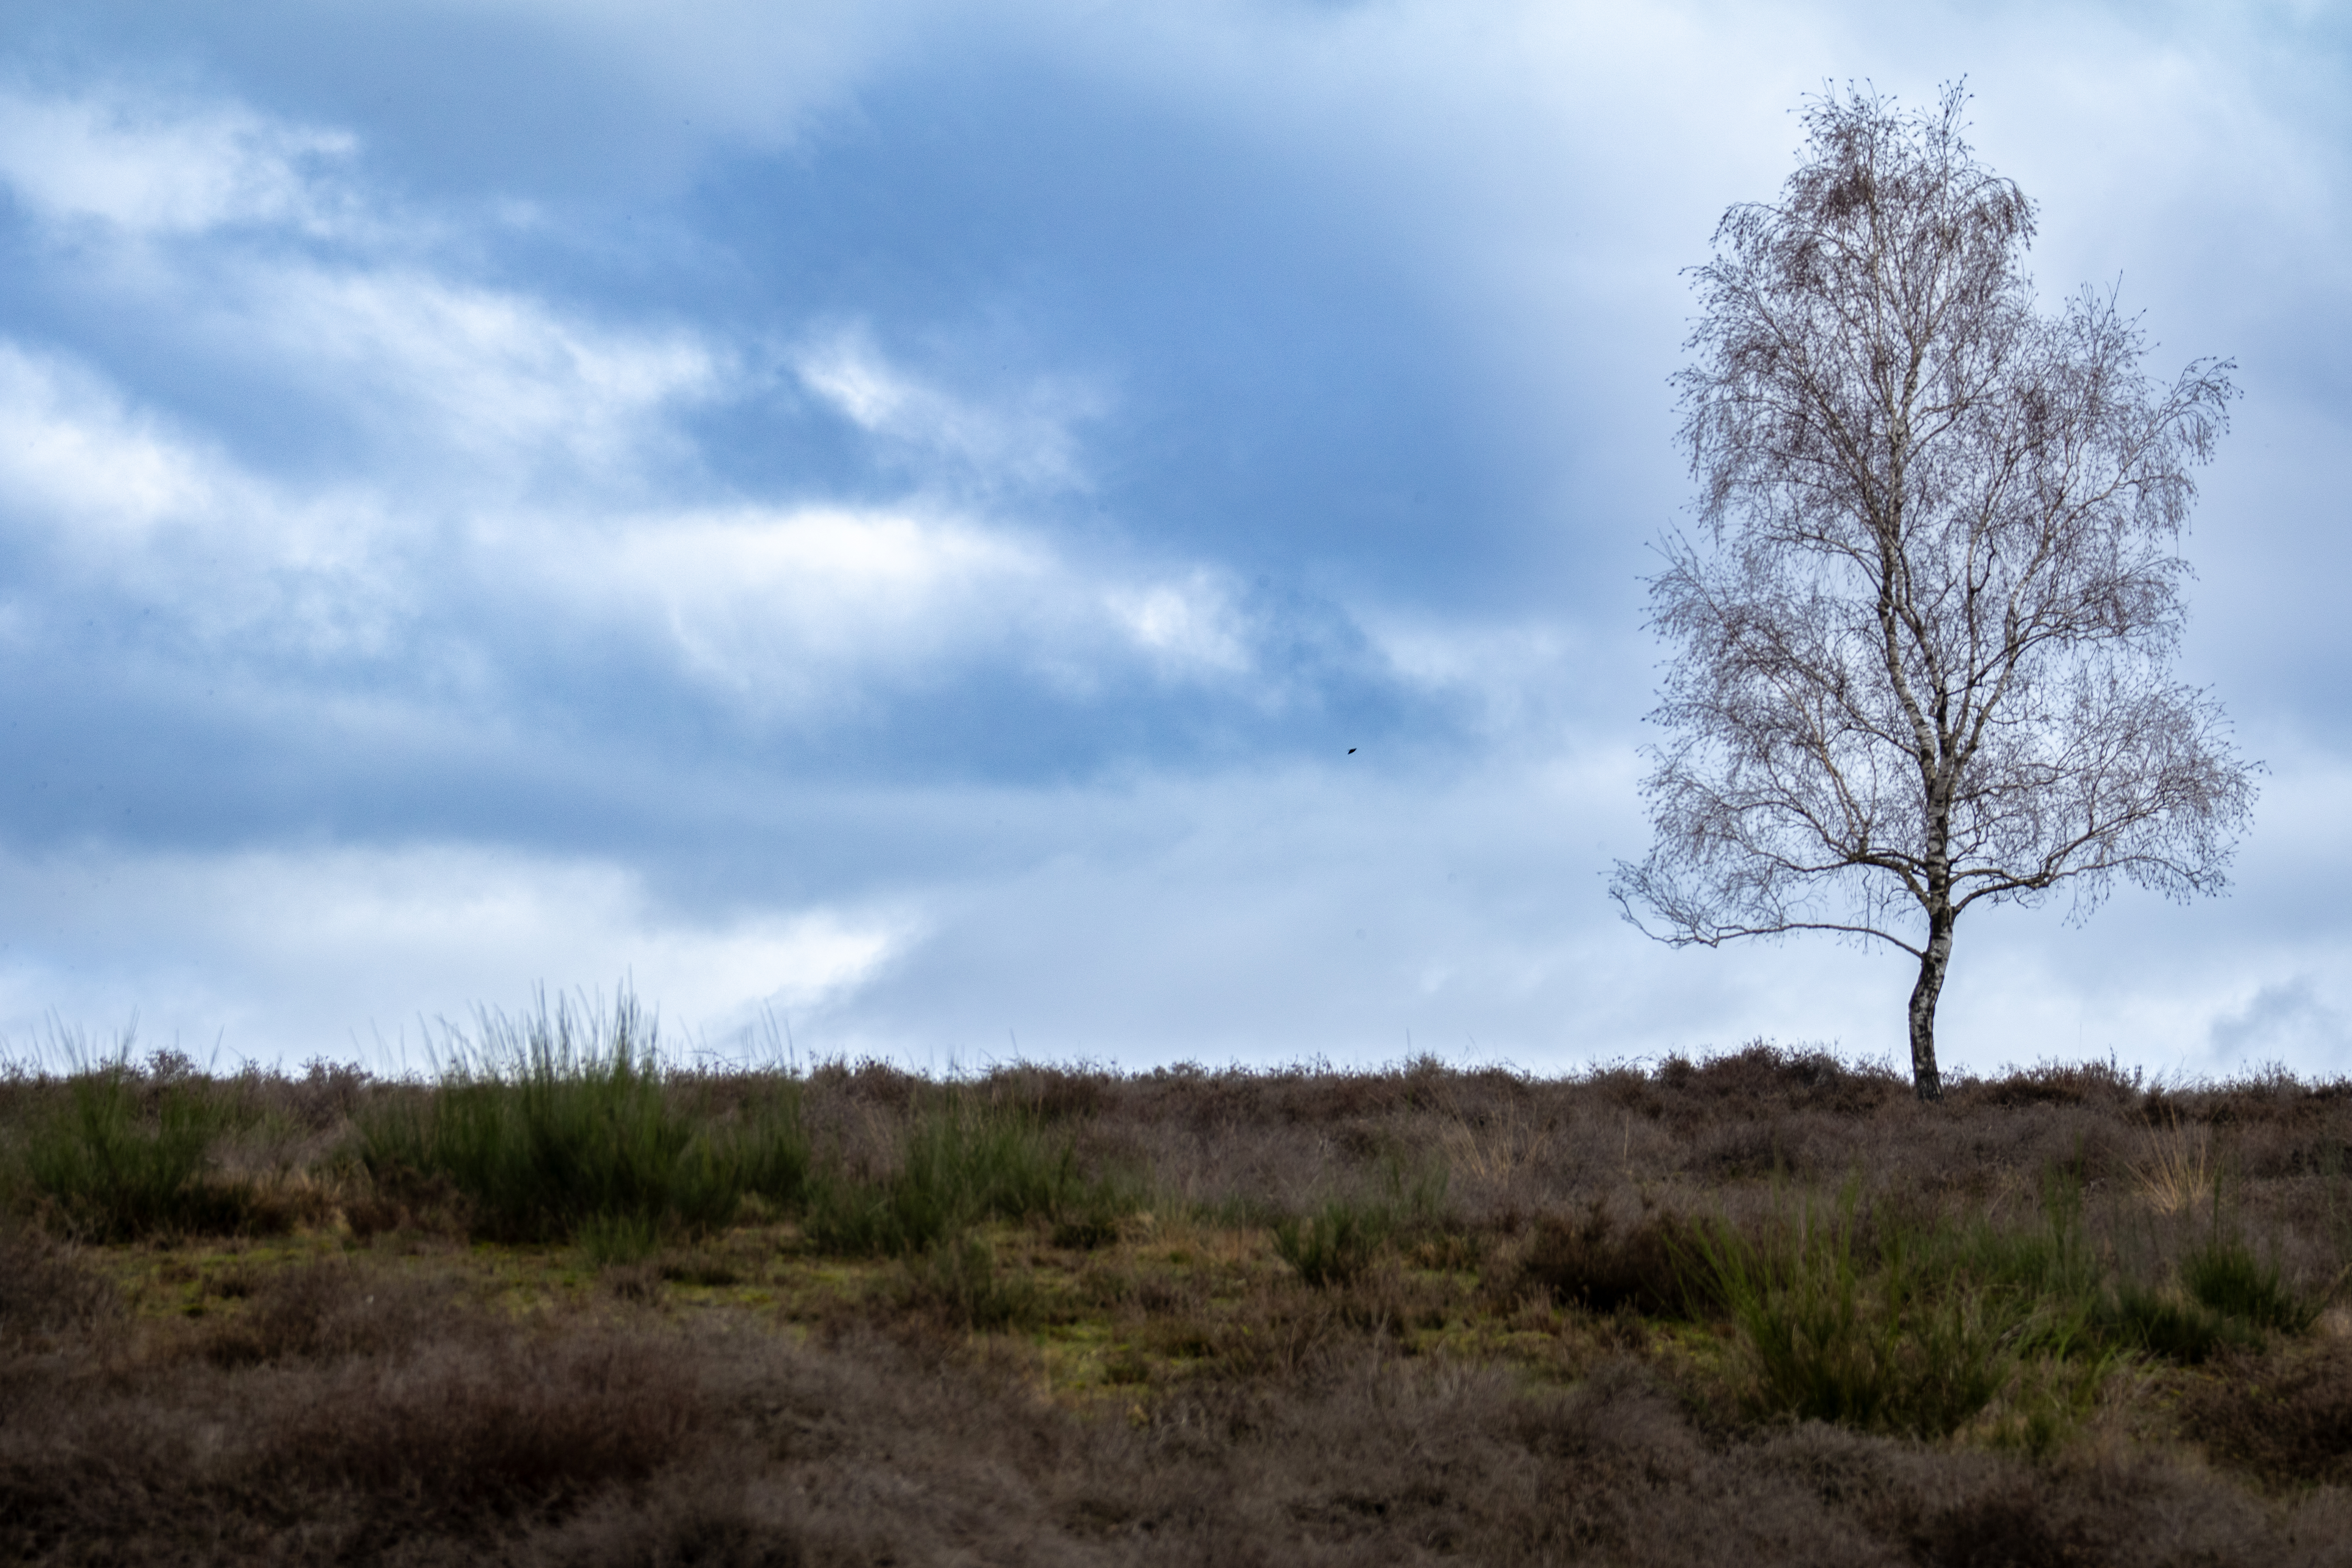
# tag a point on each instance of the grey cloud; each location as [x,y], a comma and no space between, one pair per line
[2281,1020]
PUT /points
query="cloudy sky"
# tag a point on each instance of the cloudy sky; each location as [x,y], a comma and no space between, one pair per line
[1066,530]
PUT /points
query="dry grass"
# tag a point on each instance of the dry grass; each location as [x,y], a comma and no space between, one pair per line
[2176,1171]
[1512,1367]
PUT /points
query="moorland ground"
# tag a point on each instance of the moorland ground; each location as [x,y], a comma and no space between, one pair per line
[566,1303]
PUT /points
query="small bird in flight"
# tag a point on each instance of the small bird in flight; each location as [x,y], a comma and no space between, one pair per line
[1351,751]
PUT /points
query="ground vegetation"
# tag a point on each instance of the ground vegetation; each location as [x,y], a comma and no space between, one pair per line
[569,1301]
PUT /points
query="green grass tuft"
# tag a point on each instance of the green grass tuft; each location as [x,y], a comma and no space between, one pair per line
[1907,1347]
[962,1165]
[2226,1276]
[122,1160]
[958,1280]
[1336,1244]
[1344,1236]
[568,1119]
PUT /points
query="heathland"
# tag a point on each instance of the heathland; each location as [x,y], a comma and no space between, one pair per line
[568,1301]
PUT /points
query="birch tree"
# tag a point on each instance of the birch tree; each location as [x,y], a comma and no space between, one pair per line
[1923,637]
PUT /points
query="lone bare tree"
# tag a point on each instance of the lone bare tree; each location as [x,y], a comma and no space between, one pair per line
[1923,659]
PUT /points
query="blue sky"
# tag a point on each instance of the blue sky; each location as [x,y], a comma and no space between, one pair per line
[890,517]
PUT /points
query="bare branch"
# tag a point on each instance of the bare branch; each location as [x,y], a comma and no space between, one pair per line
[1921,649]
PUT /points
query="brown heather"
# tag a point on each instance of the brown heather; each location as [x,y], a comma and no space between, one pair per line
[1517,1355]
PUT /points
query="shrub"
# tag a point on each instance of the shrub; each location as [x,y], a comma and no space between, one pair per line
[2228,1298]
[769,1147]
[46,1294]
[117,1172]
[1415,1195]
[1909,1349]
[2050,1276]
[618,1239]
[2162,1324]
[505,1425]
[957,1282]
[2227,1277]
[896,1214]
[1336,1244]
[1589,1261]
[963,1164]
[1091,1215]
[331,1309]
[565,1124]
[2285,1423]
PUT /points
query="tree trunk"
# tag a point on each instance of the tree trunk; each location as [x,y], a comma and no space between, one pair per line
[1933,961]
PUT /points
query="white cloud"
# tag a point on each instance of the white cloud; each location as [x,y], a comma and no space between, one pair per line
[147,165]
[1190,626]
[497,378]
[1017,435]
[793,611]
[72,450]
[120,497]
[400,345]
[789,609]
[1521,679]
[481,400]
[806,611]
